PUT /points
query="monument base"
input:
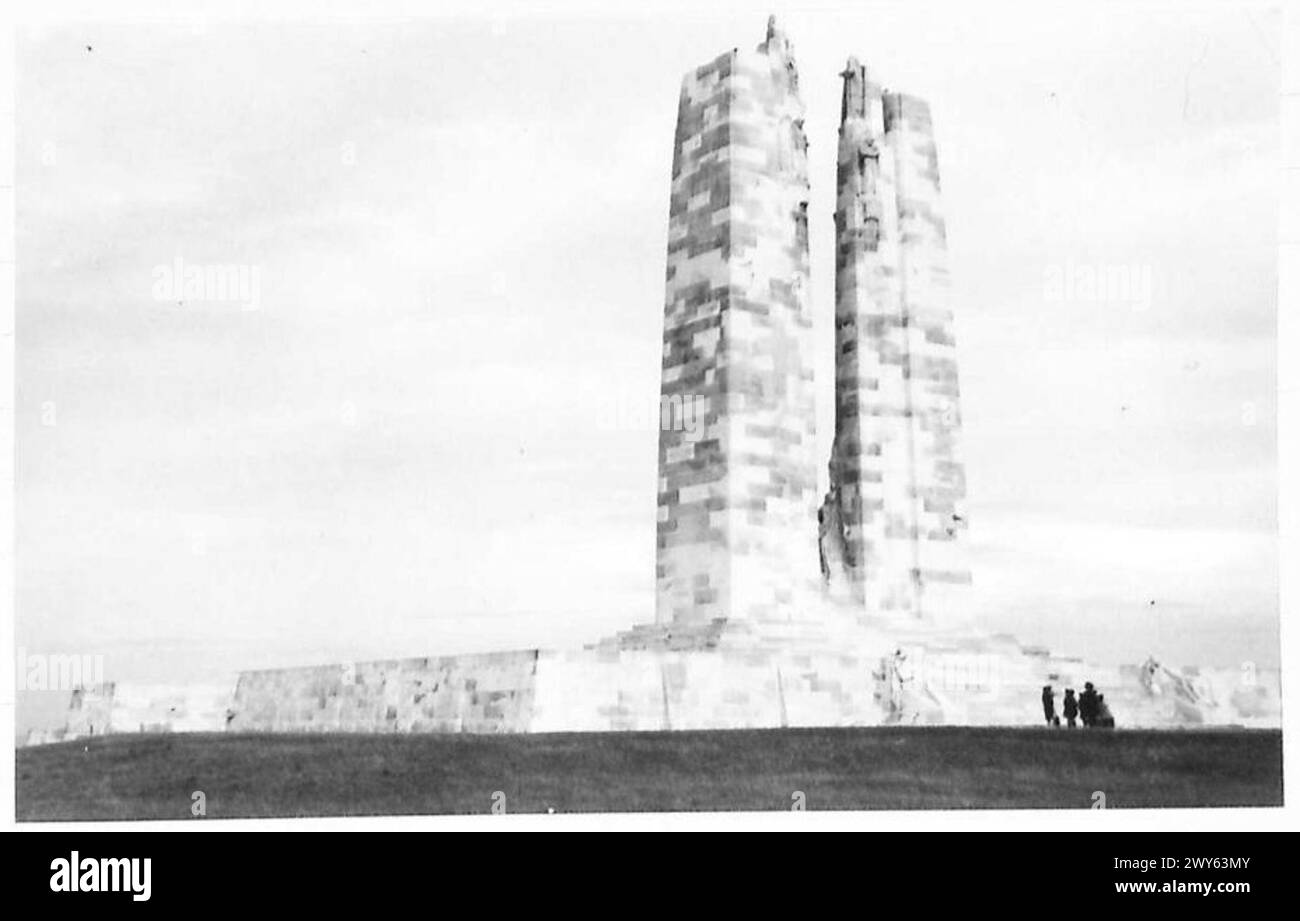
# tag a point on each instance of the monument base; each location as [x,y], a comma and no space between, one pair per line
[828,669]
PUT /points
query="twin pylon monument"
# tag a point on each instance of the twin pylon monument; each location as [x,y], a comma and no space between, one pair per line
[775,606]
[738,532]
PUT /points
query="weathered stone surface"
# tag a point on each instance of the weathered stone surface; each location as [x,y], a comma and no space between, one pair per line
[491,692]
[116,707]
[737,506]
[892,522]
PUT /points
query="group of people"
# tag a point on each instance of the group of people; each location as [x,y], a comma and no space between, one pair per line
[1088,708]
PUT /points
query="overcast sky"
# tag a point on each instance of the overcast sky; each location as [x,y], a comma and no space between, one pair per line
[434,435]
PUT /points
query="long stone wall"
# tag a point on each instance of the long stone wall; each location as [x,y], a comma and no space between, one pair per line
[735,676]
[492,692]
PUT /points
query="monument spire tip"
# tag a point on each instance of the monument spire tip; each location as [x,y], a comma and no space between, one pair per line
[775,36]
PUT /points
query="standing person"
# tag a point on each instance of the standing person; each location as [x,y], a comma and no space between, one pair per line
[1088,705]
[1049,706]
[1104,718]
[1070,707]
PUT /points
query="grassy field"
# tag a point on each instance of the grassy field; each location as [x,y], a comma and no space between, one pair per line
[153,777]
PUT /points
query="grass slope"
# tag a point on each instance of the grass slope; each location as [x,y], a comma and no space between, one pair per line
[152,777]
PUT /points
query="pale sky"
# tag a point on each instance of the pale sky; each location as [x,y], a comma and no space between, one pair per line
[434,435]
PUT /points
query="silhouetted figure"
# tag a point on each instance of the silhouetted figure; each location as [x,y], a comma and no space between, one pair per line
[1070,707]
[1088,705]
[1103,719]
[1049,706]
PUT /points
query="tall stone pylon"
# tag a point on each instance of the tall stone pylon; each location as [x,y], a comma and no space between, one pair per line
[737,530]
[892,523]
